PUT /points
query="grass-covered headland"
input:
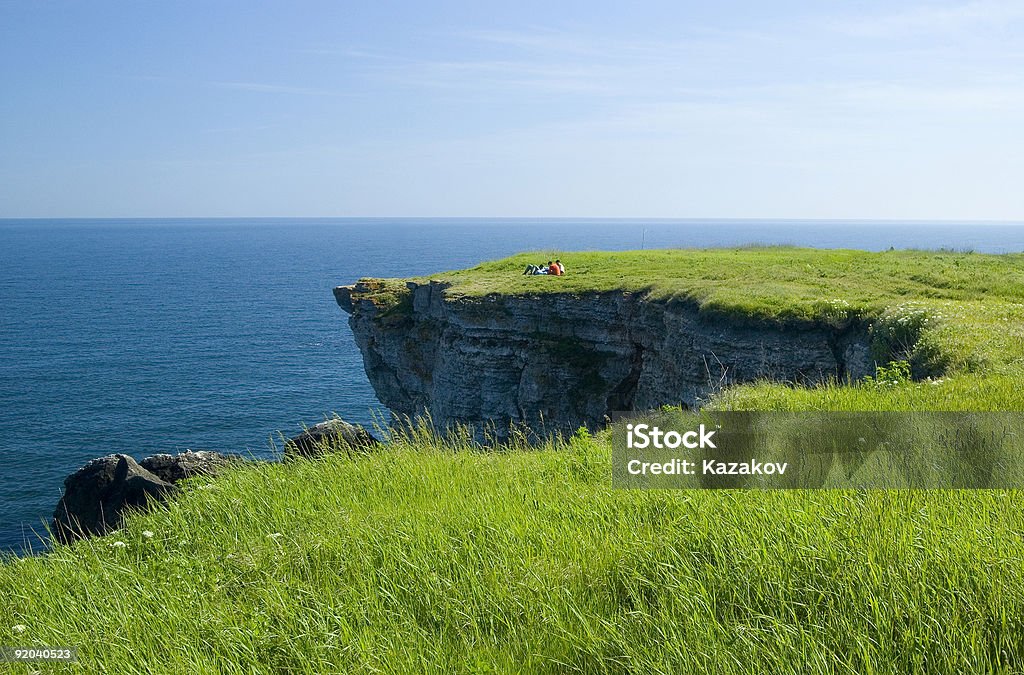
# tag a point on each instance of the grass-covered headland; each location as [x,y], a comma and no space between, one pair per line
[955,318]
[437,555]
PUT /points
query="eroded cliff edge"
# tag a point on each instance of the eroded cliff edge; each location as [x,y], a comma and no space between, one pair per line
[562,360]
[565,360]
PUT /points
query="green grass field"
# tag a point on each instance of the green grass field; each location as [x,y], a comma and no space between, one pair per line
[780,283]
[435,555]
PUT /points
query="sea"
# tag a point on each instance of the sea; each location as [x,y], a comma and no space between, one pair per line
[161,335]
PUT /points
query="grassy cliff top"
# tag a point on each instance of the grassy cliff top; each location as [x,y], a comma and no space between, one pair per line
[768,282]
[775,283]
[946,313]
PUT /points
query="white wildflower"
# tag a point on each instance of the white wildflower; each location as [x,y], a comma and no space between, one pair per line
[275,536]
[147,534]
[19,628]
[118,544]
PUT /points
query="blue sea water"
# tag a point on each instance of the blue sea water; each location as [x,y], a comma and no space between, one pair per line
[146,336]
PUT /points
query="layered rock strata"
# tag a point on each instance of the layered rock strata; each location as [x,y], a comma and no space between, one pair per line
[559,361]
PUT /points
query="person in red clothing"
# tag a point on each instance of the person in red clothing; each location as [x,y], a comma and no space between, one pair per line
[554,269]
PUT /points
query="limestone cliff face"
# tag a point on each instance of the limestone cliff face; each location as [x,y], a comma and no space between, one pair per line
[565,360]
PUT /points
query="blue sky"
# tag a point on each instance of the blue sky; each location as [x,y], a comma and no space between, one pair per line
[643,109]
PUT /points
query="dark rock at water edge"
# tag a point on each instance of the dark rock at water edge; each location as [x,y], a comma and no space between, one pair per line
[174,468]
[335,435]
[97,496]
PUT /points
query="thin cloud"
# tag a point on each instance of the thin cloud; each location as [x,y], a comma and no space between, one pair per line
[274,88]
[933,19]
[570,44]
[1007,99]
[540,40]
[550,62]
[238,129]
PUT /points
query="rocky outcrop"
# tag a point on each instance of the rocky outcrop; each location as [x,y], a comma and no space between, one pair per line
[174,468]
[101,493]
[558,361]
[334,435]
[98,495]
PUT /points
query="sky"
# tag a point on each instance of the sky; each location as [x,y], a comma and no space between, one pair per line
[727,109]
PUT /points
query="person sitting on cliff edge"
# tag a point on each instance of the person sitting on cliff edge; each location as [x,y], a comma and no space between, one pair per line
[561,268]
[554,269]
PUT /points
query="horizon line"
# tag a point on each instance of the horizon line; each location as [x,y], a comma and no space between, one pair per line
[665,219]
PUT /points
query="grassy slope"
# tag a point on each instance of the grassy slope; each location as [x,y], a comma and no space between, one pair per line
[433,556]
[429,557]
